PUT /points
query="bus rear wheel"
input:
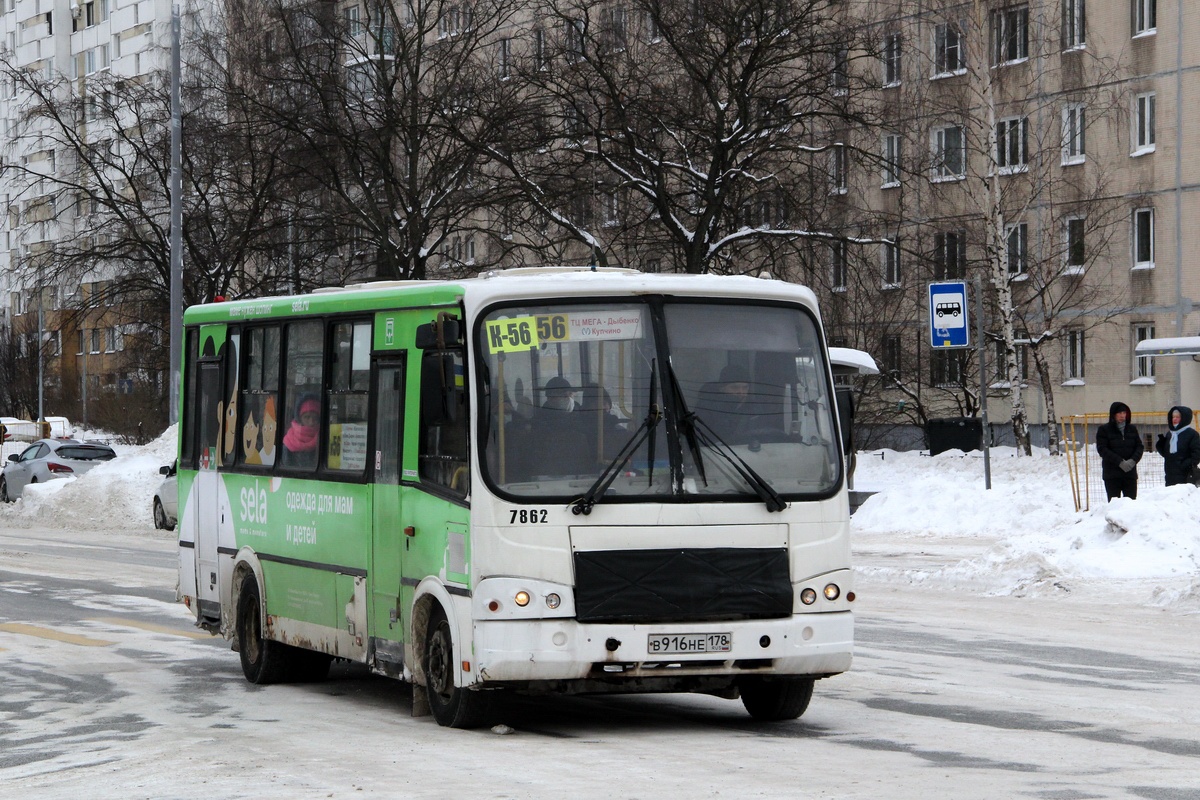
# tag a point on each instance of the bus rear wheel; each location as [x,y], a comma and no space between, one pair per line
[263,661]
[452,706]
[776,699]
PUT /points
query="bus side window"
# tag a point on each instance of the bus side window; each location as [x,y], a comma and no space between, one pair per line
[442,454]
[259,399]
[304,365]
[187,449]
[347,400]
[229,436]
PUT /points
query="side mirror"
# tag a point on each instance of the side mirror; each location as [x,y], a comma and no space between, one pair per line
[440,393]
[844,397]
[164,470]
[13,459]
[445,331]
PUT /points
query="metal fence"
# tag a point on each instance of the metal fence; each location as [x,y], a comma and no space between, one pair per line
[1083,462]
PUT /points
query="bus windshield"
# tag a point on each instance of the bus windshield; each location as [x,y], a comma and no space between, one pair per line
[702,400]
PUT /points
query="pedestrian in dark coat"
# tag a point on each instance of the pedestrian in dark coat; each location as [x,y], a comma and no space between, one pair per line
[1180,448]
[1120,450]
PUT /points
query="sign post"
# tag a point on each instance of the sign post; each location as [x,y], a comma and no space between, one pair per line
[949,329]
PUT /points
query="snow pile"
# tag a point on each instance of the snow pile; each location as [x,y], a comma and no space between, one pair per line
[1028,537]
[114,495]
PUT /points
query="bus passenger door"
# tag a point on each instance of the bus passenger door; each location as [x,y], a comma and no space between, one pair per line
[388,539]
[205,490]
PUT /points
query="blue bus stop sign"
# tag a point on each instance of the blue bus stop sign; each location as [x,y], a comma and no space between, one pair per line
[948,326]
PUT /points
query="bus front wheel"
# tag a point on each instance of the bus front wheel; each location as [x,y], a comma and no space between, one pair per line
[776,699]
[452,706]
[263,661]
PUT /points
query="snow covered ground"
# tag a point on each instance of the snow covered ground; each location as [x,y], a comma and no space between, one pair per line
[1024,537]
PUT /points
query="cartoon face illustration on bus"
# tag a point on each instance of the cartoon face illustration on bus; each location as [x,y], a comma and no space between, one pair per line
[250,432]
[269,428]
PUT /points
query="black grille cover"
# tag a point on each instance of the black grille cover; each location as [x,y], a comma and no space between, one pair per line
[682,585]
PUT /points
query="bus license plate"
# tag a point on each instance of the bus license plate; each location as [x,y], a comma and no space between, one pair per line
[680,643]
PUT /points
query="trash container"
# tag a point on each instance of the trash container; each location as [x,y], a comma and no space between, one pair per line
[954,433]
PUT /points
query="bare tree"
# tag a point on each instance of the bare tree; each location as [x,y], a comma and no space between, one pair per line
[694,129]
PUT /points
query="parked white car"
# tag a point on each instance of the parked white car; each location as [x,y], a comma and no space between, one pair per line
[166,501]
[47,459]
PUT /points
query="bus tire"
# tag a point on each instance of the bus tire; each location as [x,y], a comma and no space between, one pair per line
[263,661]
[776,699]
[452,706]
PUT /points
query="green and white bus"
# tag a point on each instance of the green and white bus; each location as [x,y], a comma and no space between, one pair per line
[539,480]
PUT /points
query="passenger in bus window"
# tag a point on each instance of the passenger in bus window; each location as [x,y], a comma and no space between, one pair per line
[722,405]
[300,441]
[562,443]
[603,426]
[560,395]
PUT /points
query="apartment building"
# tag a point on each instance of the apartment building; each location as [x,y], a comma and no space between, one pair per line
[1049,148]
[75,46]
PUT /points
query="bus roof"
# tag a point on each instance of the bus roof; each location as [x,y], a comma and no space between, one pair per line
[497,286]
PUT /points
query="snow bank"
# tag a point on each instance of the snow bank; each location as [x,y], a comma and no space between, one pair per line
[115,495]
[1030,539]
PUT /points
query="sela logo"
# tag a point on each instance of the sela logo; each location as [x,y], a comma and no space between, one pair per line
[254,505]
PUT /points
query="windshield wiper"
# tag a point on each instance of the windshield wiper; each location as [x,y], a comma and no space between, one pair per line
[709,438]
[647,429]
[687,422]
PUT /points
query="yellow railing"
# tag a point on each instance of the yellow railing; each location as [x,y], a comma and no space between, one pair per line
[1083,462]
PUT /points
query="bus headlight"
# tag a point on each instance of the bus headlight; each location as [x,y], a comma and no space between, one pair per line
[553,600]
[808,597]
[521,598]
[832,592]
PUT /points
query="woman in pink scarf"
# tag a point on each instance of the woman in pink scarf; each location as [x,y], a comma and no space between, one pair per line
[302,435]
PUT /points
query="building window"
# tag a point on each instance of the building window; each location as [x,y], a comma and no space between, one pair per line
[946,368]
[612,209]
[1074,18]
[891,60]
[837,266]
[949,153]
[1016,249]
[573,35]
[353,21]
[950,256]
[1000,362]
[1012,144]
[95,348]
[1075,252]
[837,169]
[1143,123]
[1074,123]
[1073,352]
[504,58]
[1143,366]
[891,265]
[1009,34]
[541,58]
[1143,238]
[891,356]
[839,76]
[613,28]
[891,160]
[1145,17]
[948,50]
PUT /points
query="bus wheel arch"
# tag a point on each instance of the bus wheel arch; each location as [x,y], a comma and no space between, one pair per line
[438,648]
